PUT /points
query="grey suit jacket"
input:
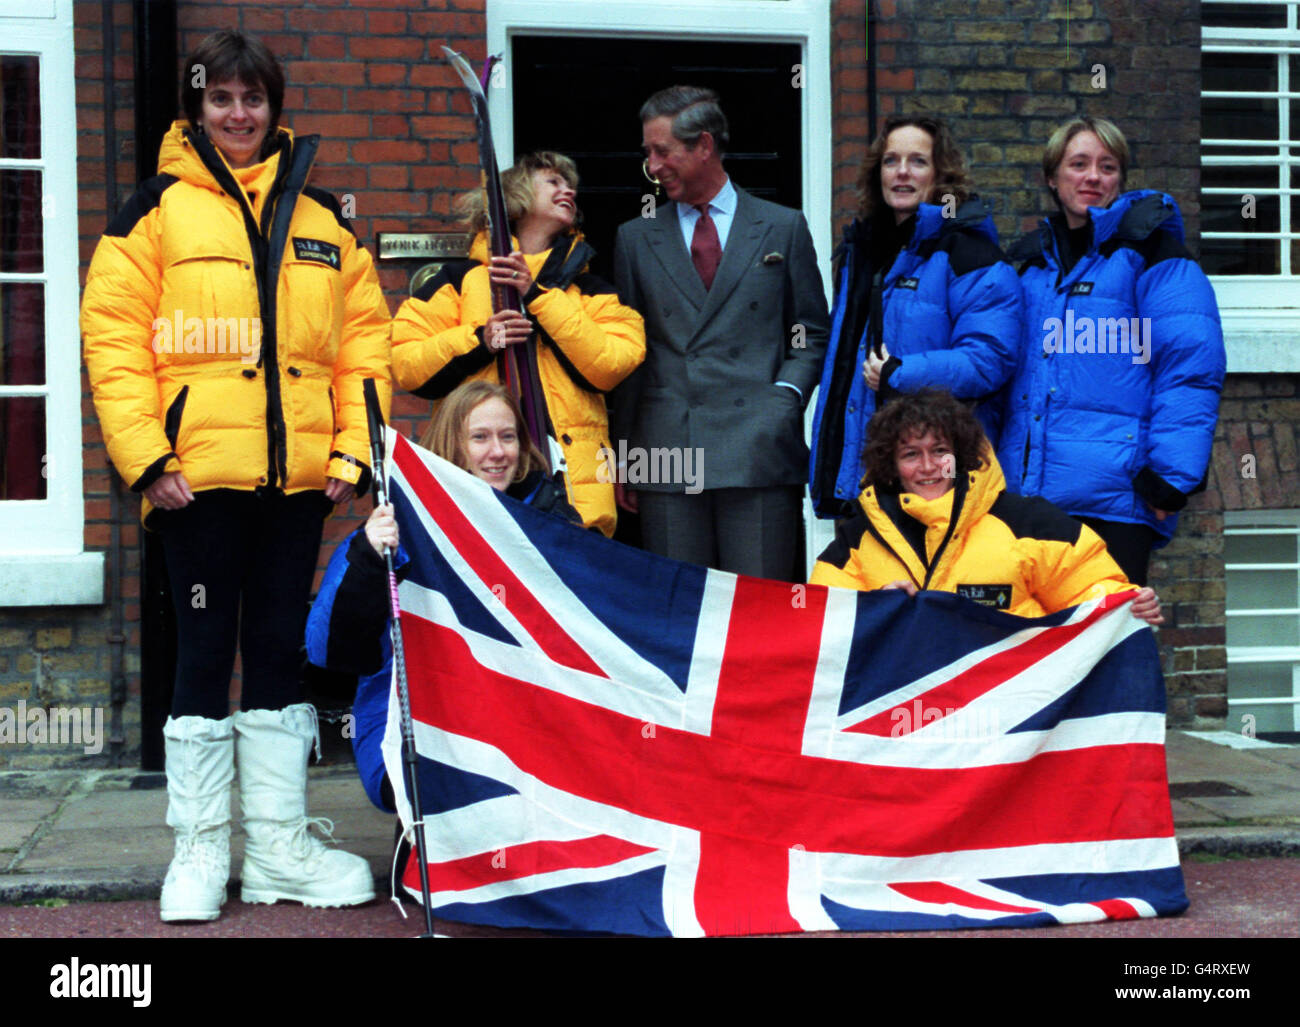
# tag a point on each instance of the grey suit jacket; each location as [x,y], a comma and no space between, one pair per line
[713,357]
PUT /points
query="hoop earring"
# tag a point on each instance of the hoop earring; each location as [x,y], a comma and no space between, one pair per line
[645,170]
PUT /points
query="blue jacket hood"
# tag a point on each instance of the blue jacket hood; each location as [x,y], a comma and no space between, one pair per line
[974,215]
[1132,217]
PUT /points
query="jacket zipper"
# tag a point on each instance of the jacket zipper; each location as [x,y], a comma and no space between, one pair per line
[296,159]
[890,549]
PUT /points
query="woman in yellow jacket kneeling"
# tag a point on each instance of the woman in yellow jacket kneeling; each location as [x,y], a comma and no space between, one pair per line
[935,514]
[587,341]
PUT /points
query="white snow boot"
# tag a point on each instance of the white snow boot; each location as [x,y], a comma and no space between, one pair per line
[200,767]
[282,859]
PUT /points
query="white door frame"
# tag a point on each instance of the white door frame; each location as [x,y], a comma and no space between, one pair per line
[803,22]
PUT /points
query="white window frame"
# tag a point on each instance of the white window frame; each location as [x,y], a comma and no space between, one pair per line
[804,22]
[42,557]
[1260,312]
[1247,522]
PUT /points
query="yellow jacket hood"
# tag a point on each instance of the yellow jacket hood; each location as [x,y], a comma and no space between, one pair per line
[229,319]
[1017,554]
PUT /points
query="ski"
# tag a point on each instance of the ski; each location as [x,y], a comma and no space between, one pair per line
[517,370]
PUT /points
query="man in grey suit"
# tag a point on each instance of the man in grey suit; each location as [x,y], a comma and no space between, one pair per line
[736,330]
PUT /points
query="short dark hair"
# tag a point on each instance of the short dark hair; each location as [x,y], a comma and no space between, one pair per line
[694,110]
[913,415]
[950,174]
[225,55]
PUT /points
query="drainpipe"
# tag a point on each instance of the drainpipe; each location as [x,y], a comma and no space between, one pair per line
[156,98]
[116,631]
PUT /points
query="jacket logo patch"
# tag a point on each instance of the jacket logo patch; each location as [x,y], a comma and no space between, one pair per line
[996,596]
[907,283]
[316,250]
[1082,288]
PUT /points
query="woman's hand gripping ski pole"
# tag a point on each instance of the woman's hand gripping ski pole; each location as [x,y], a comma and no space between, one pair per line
[375,419]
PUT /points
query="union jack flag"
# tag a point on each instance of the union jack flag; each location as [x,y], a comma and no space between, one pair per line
[615,742]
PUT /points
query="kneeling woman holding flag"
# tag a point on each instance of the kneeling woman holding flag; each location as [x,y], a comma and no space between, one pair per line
[935,514]
[480,429]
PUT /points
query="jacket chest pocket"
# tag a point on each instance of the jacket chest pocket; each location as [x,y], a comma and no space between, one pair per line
[311,309]
[208,309]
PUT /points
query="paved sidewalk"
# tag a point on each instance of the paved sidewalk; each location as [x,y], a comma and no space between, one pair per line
[101,835]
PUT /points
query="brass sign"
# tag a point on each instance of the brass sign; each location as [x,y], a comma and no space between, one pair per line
[420,245]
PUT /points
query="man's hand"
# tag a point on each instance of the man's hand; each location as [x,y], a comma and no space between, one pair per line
[170,492]
[901,585]
[872,368]
[626,498]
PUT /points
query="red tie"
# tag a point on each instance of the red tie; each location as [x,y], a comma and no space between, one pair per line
[706,251]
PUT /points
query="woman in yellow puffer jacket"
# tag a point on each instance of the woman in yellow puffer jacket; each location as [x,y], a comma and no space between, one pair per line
[229,319]
[587,341]
[935,514]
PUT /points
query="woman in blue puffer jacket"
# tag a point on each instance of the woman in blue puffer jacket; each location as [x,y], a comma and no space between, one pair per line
[923,298]
[1112,409]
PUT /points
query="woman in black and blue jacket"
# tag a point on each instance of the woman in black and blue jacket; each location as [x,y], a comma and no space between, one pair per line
[923,298]
[479,428]
[1111,412]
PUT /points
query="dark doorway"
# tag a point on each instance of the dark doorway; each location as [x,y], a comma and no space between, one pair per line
[580,95]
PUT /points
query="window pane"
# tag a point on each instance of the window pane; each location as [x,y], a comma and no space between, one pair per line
[1258,681]
[1260,548]
[1263,16]
[1221,213]
[1240,257]
[1240,176]
[1280,630]
[22,333]
[1238,119]
[1261,590]
[20,107]
[20,221]
[22,448]
[1275,521]
[1238,73]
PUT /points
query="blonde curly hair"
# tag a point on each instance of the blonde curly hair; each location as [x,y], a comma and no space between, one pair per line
[517,184]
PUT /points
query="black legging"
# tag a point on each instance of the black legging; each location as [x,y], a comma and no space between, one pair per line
[241,566]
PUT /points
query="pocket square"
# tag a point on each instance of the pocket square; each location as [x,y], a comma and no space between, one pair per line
[774,258]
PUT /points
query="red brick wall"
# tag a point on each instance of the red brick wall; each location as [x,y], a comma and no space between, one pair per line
[1005,73]
[397,137]
[851,131]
